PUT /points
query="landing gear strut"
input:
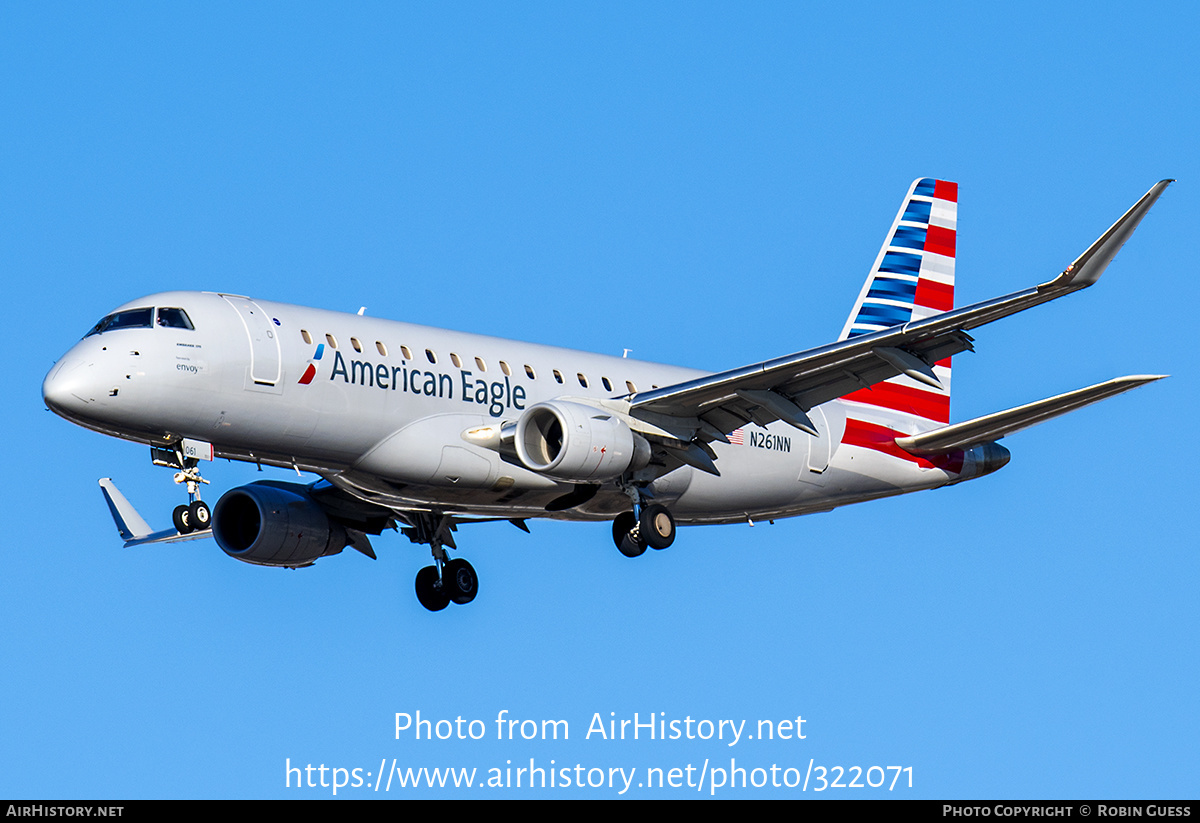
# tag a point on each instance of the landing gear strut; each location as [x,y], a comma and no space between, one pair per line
[195,516]
[447,581]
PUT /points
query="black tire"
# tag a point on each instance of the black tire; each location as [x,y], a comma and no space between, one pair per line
[657,527]
[429,593]
[201,516]
[182,518]
[627,544]
[459,581]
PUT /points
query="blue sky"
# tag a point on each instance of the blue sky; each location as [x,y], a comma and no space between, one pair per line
[705,185]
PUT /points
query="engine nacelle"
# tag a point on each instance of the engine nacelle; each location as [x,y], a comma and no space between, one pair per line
[980,460]
[571,441]
[275,524]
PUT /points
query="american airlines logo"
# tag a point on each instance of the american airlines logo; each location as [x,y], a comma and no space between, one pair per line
[311,371]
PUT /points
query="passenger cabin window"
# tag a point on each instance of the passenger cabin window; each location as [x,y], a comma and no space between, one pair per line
[558,375]
[174,319]
[354,342]
[331,340]
[479,362]
[456,360]
[382,349]
[529,371]
[430,356]
[632,388]
[306,336]
[504,368]
[128,319]
[582,380]
[404,350]
[607,384]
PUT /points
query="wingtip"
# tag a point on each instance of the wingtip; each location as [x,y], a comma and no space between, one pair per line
[1087,268]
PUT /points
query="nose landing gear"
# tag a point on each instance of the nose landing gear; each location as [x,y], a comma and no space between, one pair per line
[195,516]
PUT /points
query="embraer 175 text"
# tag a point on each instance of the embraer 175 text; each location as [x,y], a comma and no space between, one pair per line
[425,429]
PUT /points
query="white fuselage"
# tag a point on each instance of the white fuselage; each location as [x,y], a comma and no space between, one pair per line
[379,407]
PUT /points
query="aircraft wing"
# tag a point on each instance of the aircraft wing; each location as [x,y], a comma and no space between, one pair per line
[787,387]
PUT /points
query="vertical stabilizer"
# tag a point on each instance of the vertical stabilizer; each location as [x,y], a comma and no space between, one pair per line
[912,278]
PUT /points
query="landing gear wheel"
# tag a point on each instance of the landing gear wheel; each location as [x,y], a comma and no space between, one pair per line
[459,581]
[201,517]
[657,527]
[182,518]
[431,595]
[627,543]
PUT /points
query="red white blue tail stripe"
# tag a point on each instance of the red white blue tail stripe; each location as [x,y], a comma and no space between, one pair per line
[913,278]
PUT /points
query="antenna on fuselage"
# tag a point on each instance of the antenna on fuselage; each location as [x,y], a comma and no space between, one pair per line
[625,353]
[361,309]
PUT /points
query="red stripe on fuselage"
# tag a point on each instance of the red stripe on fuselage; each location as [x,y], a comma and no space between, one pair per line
[882,439]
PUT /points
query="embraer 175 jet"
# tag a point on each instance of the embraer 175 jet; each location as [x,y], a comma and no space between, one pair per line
[425,429]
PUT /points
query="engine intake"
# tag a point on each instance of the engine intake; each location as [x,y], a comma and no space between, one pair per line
[571,441]
[275,524]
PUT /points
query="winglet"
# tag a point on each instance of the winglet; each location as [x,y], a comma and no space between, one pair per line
[1088,267]
[129,523]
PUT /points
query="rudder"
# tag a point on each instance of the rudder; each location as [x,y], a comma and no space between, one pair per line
[912,278]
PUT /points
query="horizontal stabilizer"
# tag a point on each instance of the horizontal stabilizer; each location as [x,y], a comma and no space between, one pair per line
[134,530]
[994,426]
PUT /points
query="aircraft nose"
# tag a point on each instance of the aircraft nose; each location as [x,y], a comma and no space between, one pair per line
[65,388]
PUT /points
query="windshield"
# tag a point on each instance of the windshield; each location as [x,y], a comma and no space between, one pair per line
[128,319]
[173,318]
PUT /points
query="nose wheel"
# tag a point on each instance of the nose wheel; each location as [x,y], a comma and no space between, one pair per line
[194,517]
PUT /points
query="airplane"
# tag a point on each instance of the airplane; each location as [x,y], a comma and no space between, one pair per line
[423,430]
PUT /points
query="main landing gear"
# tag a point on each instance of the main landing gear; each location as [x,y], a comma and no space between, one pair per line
[447,581]
[650,525]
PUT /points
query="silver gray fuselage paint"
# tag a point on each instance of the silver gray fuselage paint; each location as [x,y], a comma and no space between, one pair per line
[382,415]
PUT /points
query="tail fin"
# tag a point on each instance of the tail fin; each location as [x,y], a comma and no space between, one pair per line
[913,278]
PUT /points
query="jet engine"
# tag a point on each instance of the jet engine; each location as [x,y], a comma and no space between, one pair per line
[275,524]
[980,460]
[571,441]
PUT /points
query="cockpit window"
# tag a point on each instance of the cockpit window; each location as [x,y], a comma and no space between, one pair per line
[128,319]
[174,319]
